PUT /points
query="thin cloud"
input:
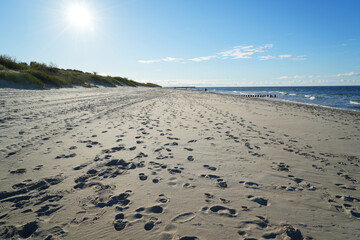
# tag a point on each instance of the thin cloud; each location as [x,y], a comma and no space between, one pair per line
[200,59]
[291,77]
[167,59]
[171,59]
[267,57]
[148,61]
[300,58]
[241,52]
[237,52]
[285,56]
[350,74]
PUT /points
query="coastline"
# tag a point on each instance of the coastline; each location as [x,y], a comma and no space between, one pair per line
[300,104]
[343,97]
[168,164]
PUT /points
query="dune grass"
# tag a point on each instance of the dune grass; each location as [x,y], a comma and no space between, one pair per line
[24,79]
[47,76]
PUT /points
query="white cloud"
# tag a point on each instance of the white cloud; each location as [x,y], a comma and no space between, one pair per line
[350,74]
[148,61]
[285,56]
[167,59]
[241,52]
[267,57]
[291,77]
[237,52]
[200,59]
[171,59]
[300,58]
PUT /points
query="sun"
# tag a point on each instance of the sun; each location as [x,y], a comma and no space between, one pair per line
[80,16]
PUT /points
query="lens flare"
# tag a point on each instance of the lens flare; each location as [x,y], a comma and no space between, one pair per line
[80,16]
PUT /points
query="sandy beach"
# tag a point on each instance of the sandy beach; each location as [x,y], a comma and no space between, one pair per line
[142,163]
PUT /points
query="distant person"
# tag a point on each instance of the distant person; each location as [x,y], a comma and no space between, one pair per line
[205,90]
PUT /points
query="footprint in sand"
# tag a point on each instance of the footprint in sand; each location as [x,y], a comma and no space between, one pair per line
[209,167]
[184,217]
[220,210]
[249,184]
[346,204]
[189,238]
[18,171]
[281,167]
[156,180]
[142,177]
[119,224]
[149,225]
[260,200]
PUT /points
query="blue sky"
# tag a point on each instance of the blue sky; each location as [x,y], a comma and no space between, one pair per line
[191,42]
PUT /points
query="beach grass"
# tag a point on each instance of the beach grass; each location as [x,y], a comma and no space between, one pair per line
[22,78]
[49,75]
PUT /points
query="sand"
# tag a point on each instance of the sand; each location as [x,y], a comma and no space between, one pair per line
[139,163]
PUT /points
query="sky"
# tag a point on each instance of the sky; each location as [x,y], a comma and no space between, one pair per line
[191,42]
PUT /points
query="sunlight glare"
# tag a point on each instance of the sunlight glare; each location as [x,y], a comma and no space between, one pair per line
[80,16]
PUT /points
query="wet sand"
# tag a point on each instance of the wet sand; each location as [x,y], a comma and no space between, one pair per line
[139,163]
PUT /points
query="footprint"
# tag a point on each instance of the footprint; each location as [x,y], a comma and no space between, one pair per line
[221,183]
[209,167]
[281,167]
[252,185]
[221,210]
[189,238]
[142,176]
[38,167]
[119,224]
[79,167]
[156,180]
[175,170]
[188,185]
[184,217]
[18,171]
[156,209]
[47,210]
[148,226]
[28,229]
[259,200]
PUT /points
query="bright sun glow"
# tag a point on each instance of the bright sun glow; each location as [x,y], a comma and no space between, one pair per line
[80,16]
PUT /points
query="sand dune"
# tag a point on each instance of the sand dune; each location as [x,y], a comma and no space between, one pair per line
[139,163]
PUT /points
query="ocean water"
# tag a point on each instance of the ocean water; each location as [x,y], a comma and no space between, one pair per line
[346,97]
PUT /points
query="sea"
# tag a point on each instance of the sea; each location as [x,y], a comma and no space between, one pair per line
[345,97]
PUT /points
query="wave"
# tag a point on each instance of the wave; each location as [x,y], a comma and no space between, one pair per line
[310,97]
[355,103]
[338,97]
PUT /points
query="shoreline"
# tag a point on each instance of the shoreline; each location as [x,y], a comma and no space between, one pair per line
[293,94]
[276,100]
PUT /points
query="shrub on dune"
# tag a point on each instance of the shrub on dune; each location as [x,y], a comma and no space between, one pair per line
[46,78]
[21,78]
[49,74]
[11,63]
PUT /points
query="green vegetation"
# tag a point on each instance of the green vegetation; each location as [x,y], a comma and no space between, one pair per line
[45,76]
[21,78]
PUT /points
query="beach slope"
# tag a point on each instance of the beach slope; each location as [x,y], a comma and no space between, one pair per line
[141,163]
